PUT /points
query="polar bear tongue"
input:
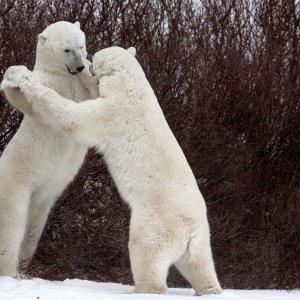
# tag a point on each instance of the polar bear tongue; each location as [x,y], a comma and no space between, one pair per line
[71,71]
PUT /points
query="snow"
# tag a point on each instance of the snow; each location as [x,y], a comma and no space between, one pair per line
[75,289]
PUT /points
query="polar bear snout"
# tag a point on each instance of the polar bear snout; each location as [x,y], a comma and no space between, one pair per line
[75,70]
[74,61]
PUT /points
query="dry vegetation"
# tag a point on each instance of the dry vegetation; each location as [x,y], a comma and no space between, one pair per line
[226,74]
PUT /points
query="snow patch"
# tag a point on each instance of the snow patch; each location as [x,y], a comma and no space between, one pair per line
[75,289]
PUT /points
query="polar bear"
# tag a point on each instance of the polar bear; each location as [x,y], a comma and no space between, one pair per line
[126,124]
[39,162]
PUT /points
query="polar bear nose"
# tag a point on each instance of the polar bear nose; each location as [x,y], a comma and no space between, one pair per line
[79,69]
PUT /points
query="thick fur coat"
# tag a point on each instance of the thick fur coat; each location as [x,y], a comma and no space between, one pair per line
[39,162]
[168,222]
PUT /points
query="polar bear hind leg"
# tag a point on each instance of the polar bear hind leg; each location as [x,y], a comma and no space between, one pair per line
[37,218]
[197,266]
[152,249]
[12,228]
[149,268]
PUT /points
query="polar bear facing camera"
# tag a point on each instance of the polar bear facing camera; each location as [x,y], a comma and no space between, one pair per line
[39,162]
[168,214]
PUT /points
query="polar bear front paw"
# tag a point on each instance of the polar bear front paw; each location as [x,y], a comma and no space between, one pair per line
[18,76]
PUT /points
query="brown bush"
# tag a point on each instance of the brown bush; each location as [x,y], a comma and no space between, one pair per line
[226,74]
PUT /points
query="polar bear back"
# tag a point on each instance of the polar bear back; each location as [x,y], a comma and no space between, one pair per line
[143,155]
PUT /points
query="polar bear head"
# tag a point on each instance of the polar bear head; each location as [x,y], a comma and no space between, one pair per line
[112,60]
[61,46]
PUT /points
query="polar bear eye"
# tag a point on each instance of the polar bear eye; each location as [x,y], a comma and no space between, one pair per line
[67,50]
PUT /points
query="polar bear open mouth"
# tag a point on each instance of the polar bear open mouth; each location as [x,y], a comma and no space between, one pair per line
[71,71]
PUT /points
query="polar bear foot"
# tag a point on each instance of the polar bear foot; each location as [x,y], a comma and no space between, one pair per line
[10,273]
[153,289]
[8,266]
[209,291]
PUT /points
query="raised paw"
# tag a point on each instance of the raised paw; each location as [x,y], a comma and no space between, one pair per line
[17,75]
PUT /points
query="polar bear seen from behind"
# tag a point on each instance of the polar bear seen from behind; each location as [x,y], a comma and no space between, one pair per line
[168,214]
[39,162]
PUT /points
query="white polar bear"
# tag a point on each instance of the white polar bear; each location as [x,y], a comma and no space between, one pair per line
[168,222]
[39,162]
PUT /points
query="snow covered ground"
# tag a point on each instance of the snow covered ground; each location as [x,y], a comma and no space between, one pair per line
[39,289]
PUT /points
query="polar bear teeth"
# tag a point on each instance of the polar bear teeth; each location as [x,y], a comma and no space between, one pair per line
[71,71]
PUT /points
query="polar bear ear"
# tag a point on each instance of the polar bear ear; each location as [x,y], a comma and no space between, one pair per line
[77,24]
[42,37]
[132,51]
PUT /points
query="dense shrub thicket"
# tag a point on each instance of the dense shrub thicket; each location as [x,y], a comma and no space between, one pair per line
[226,74]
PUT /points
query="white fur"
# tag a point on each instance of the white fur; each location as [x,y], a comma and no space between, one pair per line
[168,223]
[39,162]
